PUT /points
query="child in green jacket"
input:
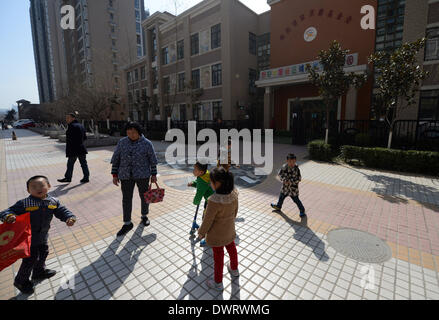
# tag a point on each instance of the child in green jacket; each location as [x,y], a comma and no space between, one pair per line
[204,190]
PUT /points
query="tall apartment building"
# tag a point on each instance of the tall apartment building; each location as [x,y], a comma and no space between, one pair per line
[201,64]
[107,35]
[400,21]
[421,19]
[49,55]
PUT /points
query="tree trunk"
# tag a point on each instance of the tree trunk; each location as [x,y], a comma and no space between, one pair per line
[327,125]
[389,143]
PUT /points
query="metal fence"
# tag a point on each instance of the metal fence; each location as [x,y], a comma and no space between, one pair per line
[416,135]
[407,134]
[156,129]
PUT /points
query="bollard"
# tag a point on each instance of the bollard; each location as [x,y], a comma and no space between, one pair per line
[14,136]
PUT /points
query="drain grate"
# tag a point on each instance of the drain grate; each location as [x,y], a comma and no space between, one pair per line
[359,245]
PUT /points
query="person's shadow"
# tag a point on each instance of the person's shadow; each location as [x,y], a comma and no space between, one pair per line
[195,278]
[301,230]
[129,256]
[60,190]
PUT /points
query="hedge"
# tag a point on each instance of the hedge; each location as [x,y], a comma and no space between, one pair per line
[319,150]
[425,162]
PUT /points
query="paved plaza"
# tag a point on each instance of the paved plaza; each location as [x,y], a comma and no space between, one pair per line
[280,255]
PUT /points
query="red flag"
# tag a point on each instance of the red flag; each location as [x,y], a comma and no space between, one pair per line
[15,240]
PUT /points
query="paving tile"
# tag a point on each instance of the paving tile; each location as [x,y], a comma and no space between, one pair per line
[282,266]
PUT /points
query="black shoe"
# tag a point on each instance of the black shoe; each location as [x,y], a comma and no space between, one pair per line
[25,288]
[85,180]
[46,274]
[145,221]
[64,180]
[125,229]
[275,207]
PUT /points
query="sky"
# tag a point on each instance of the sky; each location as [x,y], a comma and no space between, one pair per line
[17,63]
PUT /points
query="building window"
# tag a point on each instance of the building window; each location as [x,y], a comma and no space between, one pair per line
[137,4]
[390,24]
[252,78]
[180,50]
[181,78]
[252,47]
[429,105]
[195,44]
[139,51]
[113,42]
[128,77]
[216,75]
[196,112]
[153,45]
[110,3]
[144,95]
[196,79]
[217,107]
[138,27]
[165,55]
[142,73]
[166,85]
[113,29]
[137,96]
[137,15]
[432,46]
[264,52]
[183,112]
[154,78]
[216,36]
[139,39]
[111,16]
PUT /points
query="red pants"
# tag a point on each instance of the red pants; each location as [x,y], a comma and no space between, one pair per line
[218,257]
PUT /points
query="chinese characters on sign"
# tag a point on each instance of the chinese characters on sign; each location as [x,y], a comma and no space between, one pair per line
[298,69]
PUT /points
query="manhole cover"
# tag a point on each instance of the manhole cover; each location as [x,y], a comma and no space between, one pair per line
[359,245]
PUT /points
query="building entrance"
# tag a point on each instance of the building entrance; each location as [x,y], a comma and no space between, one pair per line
[308,120]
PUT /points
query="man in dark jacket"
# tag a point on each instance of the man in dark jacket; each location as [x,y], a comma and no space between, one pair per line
[75,149]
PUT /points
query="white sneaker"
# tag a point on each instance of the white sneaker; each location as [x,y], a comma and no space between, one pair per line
[234,273]
[213,285]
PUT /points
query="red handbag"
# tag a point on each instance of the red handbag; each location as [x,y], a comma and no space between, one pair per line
[15,240]
[154,195]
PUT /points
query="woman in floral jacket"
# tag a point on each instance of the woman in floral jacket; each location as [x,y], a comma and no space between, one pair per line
[134,162]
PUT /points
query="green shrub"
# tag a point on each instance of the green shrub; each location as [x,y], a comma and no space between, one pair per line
[319,150]
[425,162]
[362,140]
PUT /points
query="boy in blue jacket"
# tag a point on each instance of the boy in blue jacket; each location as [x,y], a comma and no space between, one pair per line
[42,207]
